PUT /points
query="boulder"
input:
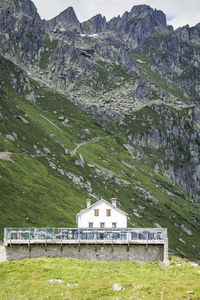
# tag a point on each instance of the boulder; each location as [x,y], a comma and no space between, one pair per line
[22,119]
[193,264]
[87,131]
[66,121]
[46,150]
[186,229]
[55,280]
[116,287]
[10,137]
[80,162]
[61,118]
[53,166]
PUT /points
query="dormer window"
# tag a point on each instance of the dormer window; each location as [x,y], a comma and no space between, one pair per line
[96,212]
[108,212]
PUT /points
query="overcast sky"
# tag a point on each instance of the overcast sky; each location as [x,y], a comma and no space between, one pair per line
[179,12]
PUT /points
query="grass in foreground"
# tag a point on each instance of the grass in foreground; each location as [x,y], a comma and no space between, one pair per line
[29,279]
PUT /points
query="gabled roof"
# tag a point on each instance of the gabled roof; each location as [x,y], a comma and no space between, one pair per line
[96,203]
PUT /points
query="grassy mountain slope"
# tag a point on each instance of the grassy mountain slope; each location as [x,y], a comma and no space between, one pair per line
[29,279]
[61,156]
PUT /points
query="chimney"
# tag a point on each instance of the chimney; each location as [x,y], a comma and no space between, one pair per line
[114,202]
[88,203]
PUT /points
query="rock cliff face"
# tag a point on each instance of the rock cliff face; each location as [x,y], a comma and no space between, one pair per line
[94,25]
[169,141]
[21,29]
[66,20]
[176,57]
[139,24]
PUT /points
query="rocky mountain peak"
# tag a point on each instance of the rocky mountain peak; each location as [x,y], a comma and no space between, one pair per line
[158,18]
[65,20]
[189,34]
[141,10]
[95,24]
[140,23]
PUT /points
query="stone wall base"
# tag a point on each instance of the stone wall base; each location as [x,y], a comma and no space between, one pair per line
[139,253]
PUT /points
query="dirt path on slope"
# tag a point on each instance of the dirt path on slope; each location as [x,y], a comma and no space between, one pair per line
[49,121]
[94,140]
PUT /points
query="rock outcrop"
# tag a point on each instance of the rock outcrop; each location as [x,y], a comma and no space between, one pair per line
[21,29]
[94,25]
[66,20]
[140,23]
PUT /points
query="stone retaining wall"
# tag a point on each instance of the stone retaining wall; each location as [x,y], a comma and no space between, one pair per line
[139,253]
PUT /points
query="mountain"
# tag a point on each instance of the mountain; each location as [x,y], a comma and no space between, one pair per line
[97,109]
[66,20]
[94,25]
[22,31]
[139,24]
[176,58]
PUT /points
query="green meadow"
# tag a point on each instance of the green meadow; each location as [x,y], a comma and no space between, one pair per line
[29,279]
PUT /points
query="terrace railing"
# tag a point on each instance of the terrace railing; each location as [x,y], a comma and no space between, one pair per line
[81,235]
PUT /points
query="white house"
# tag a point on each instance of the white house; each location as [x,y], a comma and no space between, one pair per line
[102,214]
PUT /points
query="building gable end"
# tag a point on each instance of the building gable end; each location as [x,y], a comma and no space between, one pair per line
[95,205]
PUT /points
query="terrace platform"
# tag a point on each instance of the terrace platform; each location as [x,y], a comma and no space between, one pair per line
[22,236]
[139,244]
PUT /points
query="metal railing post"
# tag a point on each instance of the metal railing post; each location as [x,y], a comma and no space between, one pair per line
[29,236]
[128,237]
[4,235]
[10,238]
[46,237]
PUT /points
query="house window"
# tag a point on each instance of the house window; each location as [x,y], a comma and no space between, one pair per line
[102,225]
[114,225]
[108,212]
[96,212]
[90,225]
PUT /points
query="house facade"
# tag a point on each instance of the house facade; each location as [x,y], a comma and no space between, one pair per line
[110,239]
[102,214]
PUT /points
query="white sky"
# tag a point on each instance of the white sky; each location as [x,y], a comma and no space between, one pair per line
[179,12]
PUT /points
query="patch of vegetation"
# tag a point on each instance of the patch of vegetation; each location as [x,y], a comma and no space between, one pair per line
[133,21]
[108,76]
[49,47]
